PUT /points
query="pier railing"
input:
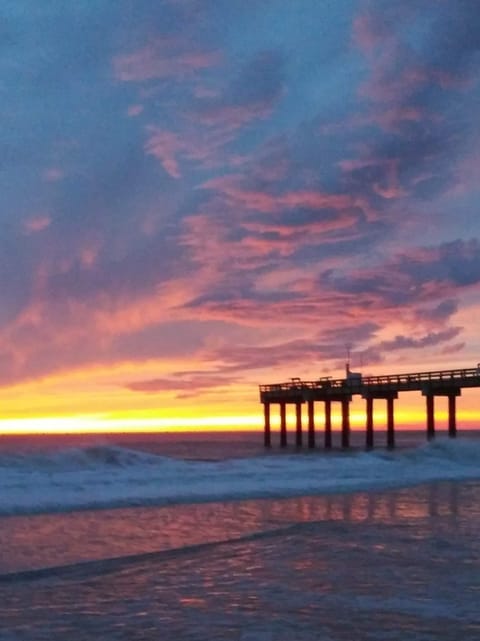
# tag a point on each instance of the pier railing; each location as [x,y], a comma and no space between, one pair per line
[469,377]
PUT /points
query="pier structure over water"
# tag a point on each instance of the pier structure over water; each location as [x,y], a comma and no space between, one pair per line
[325,390]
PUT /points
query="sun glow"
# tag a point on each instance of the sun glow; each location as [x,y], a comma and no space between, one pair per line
[97,424]
[141,423]
[96,400]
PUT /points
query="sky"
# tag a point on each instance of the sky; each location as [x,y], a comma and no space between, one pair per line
[200,196]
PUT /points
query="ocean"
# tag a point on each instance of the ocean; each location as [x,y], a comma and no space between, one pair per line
[210,537]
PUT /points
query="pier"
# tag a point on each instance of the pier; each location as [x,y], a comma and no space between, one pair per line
[325,390]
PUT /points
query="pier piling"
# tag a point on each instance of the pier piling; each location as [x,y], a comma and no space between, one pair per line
[267,437]
[369,426]
[452,415]
[283,425]
[298,431]
[328,424]
[345,422]
[311,424]
[430,416]
[390,423]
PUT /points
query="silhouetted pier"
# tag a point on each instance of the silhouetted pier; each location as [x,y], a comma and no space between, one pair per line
[447,383]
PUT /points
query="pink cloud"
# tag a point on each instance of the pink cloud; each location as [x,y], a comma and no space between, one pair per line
[369,31]
[217,117]
[310,232]
[389,119]
[88,255]
[166,146]
[134,110]
[188,383]
[37,223]
[269,203]
[163,58]
[234,116]
[391,187]
[323,298]
[452,349]
[53,174]
[397,71]
[465,174]
[448,80]
[204,146]
[349,165]
[226,265]
[386,85]
[390,85]
[49,335]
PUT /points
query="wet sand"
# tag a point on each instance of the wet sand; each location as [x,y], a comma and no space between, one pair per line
[390,565]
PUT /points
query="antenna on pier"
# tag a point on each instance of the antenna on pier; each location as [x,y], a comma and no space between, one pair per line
[347,364]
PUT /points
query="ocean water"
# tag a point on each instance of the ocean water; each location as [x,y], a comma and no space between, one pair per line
[97,472]
[210,537]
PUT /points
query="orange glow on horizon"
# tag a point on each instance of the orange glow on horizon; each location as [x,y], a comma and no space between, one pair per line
[97,399]
[111,424]
[103,424]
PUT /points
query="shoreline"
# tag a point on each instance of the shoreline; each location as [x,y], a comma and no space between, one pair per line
[48,541]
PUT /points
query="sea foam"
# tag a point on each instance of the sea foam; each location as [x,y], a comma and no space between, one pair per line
[106,476]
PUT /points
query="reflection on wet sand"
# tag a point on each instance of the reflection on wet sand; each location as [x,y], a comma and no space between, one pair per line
[60,539]
[400,565]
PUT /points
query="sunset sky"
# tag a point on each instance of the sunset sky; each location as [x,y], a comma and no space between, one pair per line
[199,196]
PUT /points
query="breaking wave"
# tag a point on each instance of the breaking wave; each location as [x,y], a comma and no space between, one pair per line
[106,476]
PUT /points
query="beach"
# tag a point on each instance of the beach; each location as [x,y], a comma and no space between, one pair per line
[239,321]
[379,563]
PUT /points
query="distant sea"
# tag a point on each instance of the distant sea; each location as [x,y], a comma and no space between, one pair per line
[209,536]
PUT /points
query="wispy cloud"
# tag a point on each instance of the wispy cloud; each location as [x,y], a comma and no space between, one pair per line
[37,223]
[168,57]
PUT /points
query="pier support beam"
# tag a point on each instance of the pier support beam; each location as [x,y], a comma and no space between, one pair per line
[390,423]
[451,392]
[311,424]
[283,425]
[369,426]
[298,433]
[328,425]
[430,416]
[267,437]
[345,423]
[389,396]
[452,415]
